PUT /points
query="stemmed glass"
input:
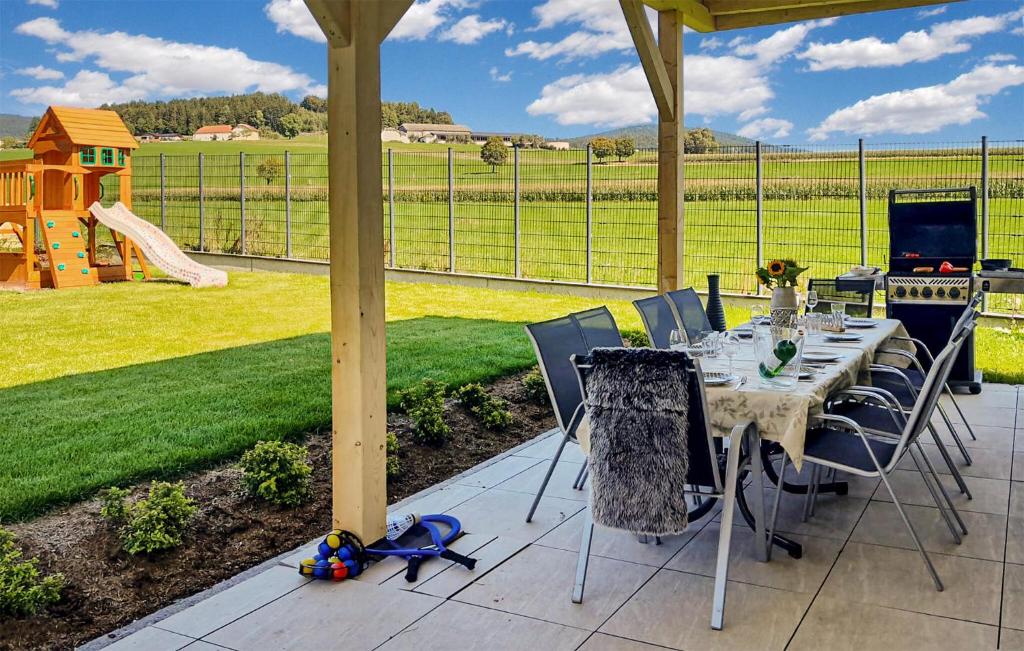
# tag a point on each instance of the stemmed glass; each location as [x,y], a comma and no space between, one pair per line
[756,313]
[730,347]
[812,300]
[677,340]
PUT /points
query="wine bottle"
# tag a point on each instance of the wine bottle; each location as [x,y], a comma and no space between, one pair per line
[784,352]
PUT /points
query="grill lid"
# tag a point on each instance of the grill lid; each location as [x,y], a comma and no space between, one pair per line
[927,227]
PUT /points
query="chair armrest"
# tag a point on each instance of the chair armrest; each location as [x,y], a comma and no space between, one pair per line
[890,370]
[917,342]
[741,428]
[903,353]
[882,398]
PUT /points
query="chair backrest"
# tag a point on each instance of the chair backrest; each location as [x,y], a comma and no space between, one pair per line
[555,342]
[969,312]
[599,328]
[703,467]
[932,389]
[857,293]
[659,319]
[689,311]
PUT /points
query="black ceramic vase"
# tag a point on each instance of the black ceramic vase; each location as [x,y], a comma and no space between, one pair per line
[715,309]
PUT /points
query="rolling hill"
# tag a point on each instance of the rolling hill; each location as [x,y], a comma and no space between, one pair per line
[646,136]
[14,125]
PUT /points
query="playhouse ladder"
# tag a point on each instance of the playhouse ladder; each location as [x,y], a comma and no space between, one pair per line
[65,240]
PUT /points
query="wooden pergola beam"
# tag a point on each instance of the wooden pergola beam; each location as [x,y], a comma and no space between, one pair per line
[670,157]
[650,56]
[793,14]
[334,18]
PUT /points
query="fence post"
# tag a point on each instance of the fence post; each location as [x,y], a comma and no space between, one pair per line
[202,208]
[759,205]
[515,211]
[241,195]
[863,197]
[163,194]
[391,210]
[451,212]
[287,204]
[984,210]
[590,213]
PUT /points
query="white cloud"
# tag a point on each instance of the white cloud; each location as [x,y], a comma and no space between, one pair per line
[603,29]
[766,128]
[471,29]
[158,67]
[729,84]
[928,13]
[41,73]
[925,109]
[497,75]
[293,17]
[913,47]
[711,43]
[52,4]
[87,88]
[1000,57]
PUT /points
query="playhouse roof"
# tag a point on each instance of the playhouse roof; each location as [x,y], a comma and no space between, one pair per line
[85,127]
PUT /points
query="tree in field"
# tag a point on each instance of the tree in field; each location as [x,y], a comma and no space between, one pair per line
[314,103]
[270,169]
[494,153]
[388,116]
[33,123]
[624,147]
[699,141]
[291,125]
[602,147]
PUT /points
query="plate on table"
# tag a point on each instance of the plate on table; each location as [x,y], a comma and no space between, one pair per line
[861,323]
[841,337]
[744,331]
[718,378]
[807,372]
[820,356]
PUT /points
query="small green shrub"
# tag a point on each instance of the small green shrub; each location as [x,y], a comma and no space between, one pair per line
[22,590]
[493,412]
[535,386]
[394,467]
[277,472]
[154,523]
[424,404]
[636,338]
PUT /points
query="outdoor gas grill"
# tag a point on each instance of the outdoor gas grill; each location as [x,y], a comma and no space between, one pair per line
[926,229]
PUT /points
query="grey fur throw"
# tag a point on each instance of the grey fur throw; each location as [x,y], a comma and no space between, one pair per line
[637,403]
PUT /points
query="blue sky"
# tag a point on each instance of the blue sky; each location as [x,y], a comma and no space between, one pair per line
[555,67]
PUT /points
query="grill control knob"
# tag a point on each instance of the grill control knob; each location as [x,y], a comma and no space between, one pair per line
[913,292]
[901,292]
[940,292]
[926,292]
[954,292]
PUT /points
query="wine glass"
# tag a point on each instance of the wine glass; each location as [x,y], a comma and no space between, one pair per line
[812,300]
[730,347]
[756,313]
[677,340]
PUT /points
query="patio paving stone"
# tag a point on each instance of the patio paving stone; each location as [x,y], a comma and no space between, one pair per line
[1015,526]
[560,485]
[152,638]
[1017,472]
[603,642]
[497,472]
[350,615]
[538,582]
[503,513]
[440,500]
[674,610]
[839,625]
[796,575]
[834,517]
[471,628]
[994,464]
[990,495]
[989,437]
[1011,640]
[620,545]
[1013,597]
[467,544]
[546,447]
[455,577]
[239,600]
[897,578]
[881,525]
[200,645]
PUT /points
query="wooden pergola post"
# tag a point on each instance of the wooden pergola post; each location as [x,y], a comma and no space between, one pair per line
[670,157]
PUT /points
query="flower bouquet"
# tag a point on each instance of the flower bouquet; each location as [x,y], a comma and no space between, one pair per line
[780,277]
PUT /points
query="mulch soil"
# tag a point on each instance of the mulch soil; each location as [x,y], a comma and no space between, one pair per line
[107,588]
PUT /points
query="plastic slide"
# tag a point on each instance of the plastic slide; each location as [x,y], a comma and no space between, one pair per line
[159,249]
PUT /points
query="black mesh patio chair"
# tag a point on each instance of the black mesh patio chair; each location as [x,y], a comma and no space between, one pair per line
[554,342]
[858,294]
[689,311]
[837,440]
[659,319]
[704,476]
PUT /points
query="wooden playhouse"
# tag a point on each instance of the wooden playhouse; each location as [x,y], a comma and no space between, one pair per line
[47,234]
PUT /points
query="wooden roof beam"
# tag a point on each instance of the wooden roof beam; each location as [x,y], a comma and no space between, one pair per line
[722,7]
[695,14]
[650,57]
[389,12]
[756,18]
[335,20]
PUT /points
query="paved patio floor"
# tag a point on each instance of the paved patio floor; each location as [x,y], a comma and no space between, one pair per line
[859,585]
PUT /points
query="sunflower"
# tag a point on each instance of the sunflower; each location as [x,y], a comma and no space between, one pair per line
[776,268]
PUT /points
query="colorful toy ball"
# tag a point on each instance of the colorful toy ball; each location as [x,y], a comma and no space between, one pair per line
[326,551]
[317,558]
[333,539]
[353,568]
[338,572]
[345,553]
[306,567]
[322,569]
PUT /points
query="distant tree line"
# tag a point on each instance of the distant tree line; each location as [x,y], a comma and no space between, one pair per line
[273,114]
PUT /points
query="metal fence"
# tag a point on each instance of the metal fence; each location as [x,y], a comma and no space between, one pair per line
[570,216]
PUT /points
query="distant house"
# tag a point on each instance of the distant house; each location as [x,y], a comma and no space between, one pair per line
[160,137]
[390,134]
[481,137]
[244,131]
[213,132]
[424,132]
[557,144]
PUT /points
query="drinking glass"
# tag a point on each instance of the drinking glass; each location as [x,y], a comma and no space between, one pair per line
[766,339]
[839,311]
[812,300]
[730,347]
[708,343]
[756,313]
[677,340]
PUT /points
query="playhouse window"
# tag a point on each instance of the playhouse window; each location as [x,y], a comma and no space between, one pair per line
[120,157]
[87,155]
[106,156]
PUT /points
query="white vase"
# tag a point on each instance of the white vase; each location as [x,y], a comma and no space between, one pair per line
[784,306]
